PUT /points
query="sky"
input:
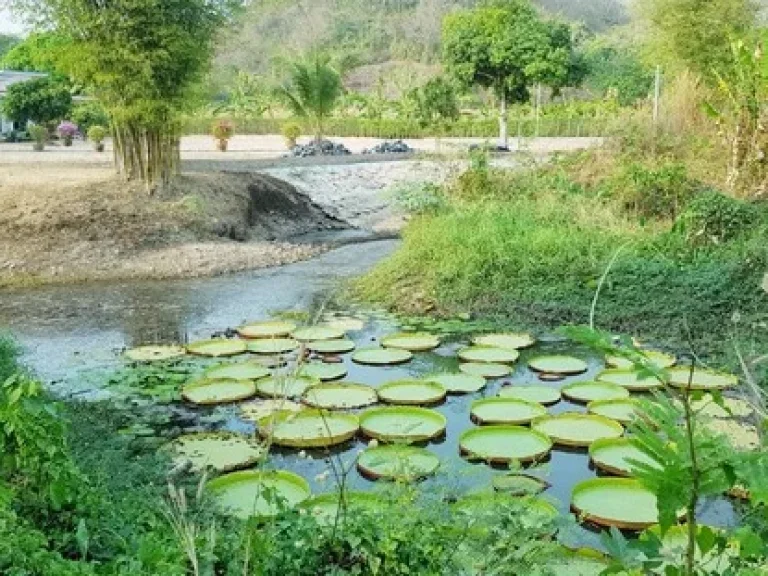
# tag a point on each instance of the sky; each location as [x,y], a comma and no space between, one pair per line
[8,23]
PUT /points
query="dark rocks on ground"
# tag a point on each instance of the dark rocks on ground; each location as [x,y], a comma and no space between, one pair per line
[389,147]
[321,148]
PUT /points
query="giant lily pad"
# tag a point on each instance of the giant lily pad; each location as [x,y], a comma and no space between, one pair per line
[510,340]
[519,484]
[659,359]
[503,444]
[413,341]
[505,411]
[258,493]
[340,396]
[539,394]
[488,354]
[216,348]
[731,407]
[612,455]
[381,356]
[485,369]
[285,386]
[587,391]
[458,383]
[336,346]
[323,371]
[574,429]
[319,332]
[743,437]
[154,353]
[630,380]
[325,508]
[615,502]
[558,364]
[583,562]
[255,411]
[413,392]
[402,423]
[309,428]
[623,410]
[220,451]
[239,371]
[269,329]
[273,345]
[702,379]
[217,390]
[397,462]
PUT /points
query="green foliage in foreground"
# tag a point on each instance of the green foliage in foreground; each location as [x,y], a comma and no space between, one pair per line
[532,247]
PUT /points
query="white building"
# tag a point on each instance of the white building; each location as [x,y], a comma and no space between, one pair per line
[8,77]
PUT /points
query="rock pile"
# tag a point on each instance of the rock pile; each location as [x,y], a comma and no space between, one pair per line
[321,148]
[389,147]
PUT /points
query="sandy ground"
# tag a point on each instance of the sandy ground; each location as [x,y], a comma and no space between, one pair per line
[64,217]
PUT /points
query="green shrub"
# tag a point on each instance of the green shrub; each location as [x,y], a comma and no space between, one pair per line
[291,132]
[420,198]
[39,133]
[655,192]
[96,134]
[714,218]
[88,114]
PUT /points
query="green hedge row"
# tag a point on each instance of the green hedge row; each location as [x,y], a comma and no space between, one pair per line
[389,129]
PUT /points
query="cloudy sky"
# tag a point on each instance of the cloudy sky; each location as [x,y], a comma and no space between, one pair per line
[8,24]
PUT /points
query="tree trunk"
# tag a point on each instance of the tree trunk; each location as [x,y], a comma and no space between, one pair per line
[148,154]
[503,133]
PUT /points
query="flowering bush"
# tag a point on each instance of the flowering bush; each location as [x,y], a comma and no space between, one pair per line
[67,130]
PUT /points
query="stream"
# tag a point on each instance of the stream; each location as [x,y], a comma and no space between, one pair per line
[70,333]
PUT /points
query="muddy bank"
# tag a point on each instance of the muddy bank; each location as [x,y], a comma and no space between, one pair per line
[105,229]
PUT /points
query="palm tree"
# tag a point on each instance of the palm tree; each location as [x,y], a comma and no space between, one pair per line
[313,91]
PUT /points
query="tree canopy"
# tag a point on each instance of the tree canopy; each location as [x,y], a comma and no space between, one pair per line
[42,101]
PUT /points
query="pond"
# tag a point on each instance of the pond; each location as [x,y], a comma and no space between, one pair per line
[73,337]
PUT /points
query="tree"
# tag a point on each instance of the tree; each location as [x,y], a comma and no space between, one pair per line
[7,42]
[313,91]
[434,101]
[696,34]
[139,58]
[42,101]
[616,67]
[36,53]
[507,47]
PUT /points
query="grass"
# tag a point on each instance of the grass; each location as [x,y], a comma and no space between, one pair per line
[531,247]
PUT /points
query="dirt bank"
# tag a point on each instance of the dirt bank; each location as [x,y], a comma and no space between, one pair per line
[56,227]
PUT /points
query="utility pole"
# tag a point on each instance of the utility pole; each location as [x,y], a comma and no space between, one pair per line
[657,96]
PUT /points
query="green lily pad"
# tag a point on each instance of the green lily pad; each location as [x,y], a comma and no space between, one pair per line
[273,345]
[216,348]
[261,494]
[485,369]
[510,340]
[319,332]
[381,356]
[519,484]
[345,323]
[154,353]
[702,379]
[587,391]
[558,364]
[458,383]
[732,407]
[411,392]
[630,380]
[539,394]
[255,411]
[743,437]
[239,371]
[623,410]
[612,455]
[413,341]
[325,507]
[397,462]
[574,429]
[488,354]
[659,359]
[309,428]
[269,329]
[583,562]
[285,386]
[217,390]
[220,451]
[402,423]
[615,502]
[531,511]
[323,371]
[505,411]
[340,396]
[503,444]
[335,346]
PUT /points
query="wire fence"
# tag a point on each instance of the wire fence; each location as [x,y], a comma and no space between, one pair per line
[394,129]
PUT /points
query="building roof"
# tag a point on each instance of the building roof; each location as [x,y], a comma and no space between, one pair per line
[8,77]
